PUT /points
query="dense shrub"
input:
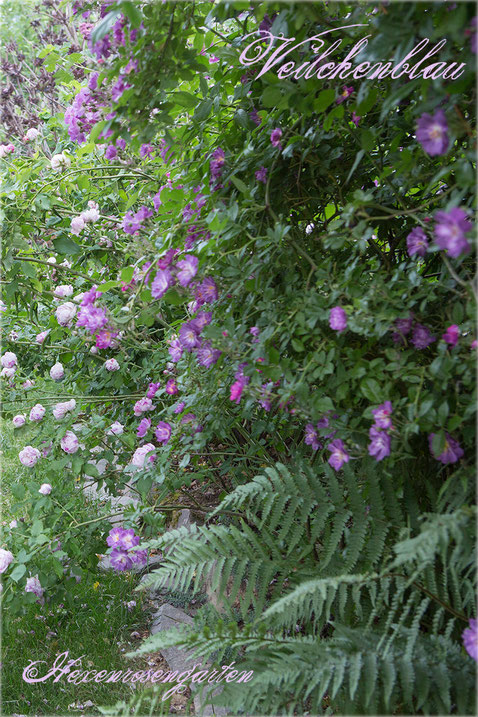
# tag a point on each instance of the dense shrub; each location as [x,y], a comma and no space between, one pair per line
[261,294]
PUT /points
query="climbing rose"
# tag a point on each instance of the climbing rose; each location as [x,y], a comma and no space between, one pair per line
[261,175]
[452,451]
[188,268]
[114,536]
[451,335]
[140,558]
[206,355]
[153,388]
[29,456]
[9,360]
[129,539]
[470,639]
[33,586]
[432,133]
[311,438]
[32,133]
[112,365]
[163,432]
[57,372]
[120,560]
[339,454]
[188,337]
[63,291]
[37,412]
[139,455]
[450,229]
[179,407]
[65,313]
[40,338]
[143,428]
[161,283]
[61,409]
[175,349]
[337,319]
[69,442]
[91,214]
[421,337]
[382,415]
[6,558]
[45,489]
[171,387]
[110,152]
[276,135]
[8,372]
[417,242]
[143,405]
[379,447]
[59,160]
[116,429]
[77,225]
[344,95]
[18,421]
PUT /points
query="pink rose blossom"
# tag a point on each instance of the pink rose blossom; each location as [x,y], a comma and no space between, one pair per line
[139,455]
[63,291]
[19,420]
[6,557]
[112,365]
[65,313]
[57,372]
[69,442]
[40,338]
[29,456]
[61,409]
[77,225]
[45,489]
[33,586]
[143,405]
[116,429]
[37,412]
[9,360]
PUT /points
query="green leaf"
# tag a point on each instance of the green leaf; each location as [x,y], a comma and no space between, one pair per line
[371,390]
[104,26]
[185,99]
[240,185]
[132,13]
[64,245]
[438,443]
[203,110]
[18,572]
[324,100]
[367,140]
[172,297]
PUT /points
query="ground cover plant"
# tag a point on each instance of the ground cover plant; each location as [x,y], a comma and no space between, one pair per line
[252,294]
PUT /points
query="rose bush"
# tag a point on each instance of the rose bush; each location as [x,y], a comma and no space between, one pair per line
[229,274]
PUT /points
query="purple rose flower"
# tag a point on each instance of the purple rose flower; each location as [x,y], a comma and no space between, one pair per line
[276,135]
[110,152]
[175,350]
[153,388]
[339,454]
[216,164]
[129,539]
[417,242]
[311,438]
[452,451]
[146,150]
[451,335]
[356,119]
[206,355]
[188,337]
[345,94]
[337,319]
[201,320]
[261,175]
[470,639]
[171,387]
[161,283]
[143,428]
[163,432]
[379,447]
[120,560]
[255,117]
[114,537]
[179,407]
[206,291]
[382,415]
[432,133]
[237,388]
[421,337]
[138,557]
[188,268]
[450,229]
